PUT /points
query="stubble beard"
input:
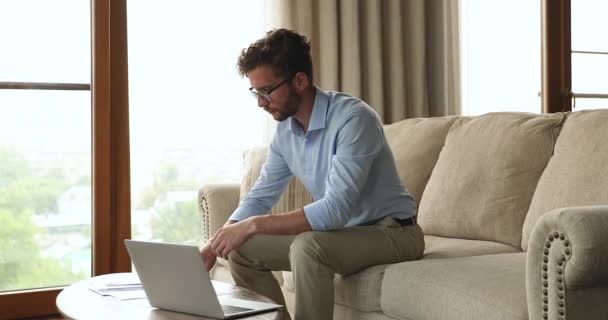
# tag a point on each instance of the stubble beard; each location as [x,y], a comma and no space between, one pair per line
[291,107]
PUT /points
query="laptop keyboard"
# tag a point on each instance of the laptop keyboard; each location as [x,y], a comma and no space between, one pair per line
[233,309]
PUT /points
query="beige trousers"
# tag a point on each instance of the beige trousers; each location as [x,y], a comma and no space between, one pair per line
[316,256]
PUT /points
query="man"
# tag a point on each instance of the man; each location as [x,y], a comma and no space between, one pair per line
[334,143]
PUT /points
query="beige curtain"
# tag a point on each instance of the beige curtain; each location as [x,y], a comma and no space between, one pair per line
[400,56]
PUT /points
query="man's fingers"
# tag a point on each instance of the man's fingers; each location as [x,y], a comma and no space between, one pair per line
[226,250]
[213,238]
[209,259]
[215,245]
[219,249]
[225,253]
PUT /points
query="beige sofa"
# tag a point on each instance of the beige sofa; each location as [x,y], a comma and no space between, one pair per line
[514,208]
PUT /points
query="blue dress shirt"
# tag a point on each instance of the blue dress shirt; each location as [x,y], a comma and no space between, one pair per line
[343,160]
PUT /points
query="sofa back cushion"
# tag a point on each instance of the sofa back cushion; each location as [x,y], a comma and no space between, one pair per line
[577,174]
[486,174]
[295,196]
[253,160]
[416,144]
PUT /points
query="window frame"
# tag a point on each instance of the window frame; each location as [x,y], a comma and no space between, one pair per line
[556,65]
[556,93]
[111,221]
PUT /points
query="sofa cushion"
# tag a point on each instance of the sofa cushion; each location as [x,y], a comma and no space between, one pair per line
[577,174]
[486,174]
[416,144]
[253,160]
[346,313]
[359,291]
[481,287]
[439,247]
[295,196]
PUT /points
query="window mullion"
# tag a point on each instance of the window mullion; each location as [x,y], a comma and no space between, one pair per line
[111,174]
[556,56]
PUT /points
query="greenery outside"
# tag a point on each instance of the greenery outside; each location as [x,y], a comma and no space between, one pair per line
[45,210]
[24,193]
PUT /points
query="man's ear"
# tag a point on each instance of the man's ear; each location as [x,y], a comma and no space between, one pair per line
[301,81]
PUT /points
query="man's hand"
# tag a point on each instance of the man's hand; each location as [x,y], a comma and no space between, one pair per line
[208,256]
[232,237]
[233,234]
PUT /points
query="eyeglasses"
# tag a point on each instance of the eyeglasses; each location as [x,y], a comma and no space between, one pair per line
[266,94]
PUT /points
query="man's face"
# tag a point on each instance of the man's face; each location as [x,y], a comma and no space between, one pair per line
[284,100]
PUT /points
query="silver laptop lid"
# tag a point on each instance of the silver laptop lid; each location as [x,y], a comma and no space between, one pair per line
[174,278]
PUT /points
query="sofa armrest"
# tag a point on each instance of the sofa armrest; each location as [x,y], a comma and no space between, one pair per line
[216,204]
[567,265]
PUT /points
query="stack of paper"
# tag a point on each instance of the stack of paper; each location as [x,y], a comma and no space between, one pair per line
[120,286]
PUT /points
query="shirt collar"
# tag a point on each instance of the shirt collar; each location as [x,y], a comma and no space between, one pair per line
[319,111]
[319,114]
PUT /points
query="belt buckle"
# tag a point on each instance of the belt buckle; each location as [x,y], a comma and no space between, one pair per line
[407,221]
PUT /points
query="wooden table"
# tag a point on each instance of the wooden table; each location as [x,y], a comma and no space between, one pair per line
[79,302]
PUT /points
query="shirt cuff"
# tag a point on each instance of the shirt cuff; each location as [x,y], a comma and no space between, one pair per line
[241,213]
[315,212]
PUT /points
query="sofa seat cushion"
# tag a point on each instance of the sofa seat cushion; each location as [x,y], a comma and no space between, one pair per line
[346,313]
[481,287]
[359,291]
[440,247]
[486,174]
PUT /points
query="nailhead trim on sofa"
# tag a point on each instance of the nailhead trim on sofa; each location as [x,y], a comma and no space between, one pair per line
[204,206]
[561,266]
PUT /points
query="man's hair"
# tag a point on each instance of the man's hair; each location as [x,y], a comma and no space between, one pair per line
[285,51]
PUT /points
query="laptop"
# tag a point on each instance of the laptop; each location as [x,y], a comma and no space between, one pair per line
[175,279]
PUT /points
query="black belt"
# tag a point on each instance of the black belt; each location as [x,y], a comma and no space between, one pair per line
[406,222]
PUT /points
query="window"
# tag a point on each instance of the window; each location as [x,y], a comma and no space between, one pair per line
[60,142]
[589,54]
[45,144]
[191,115]
[45,152]
[501,57]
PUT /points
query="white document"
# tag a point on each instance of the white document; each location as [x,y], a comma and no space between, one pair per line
[128,287]
[120,286]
